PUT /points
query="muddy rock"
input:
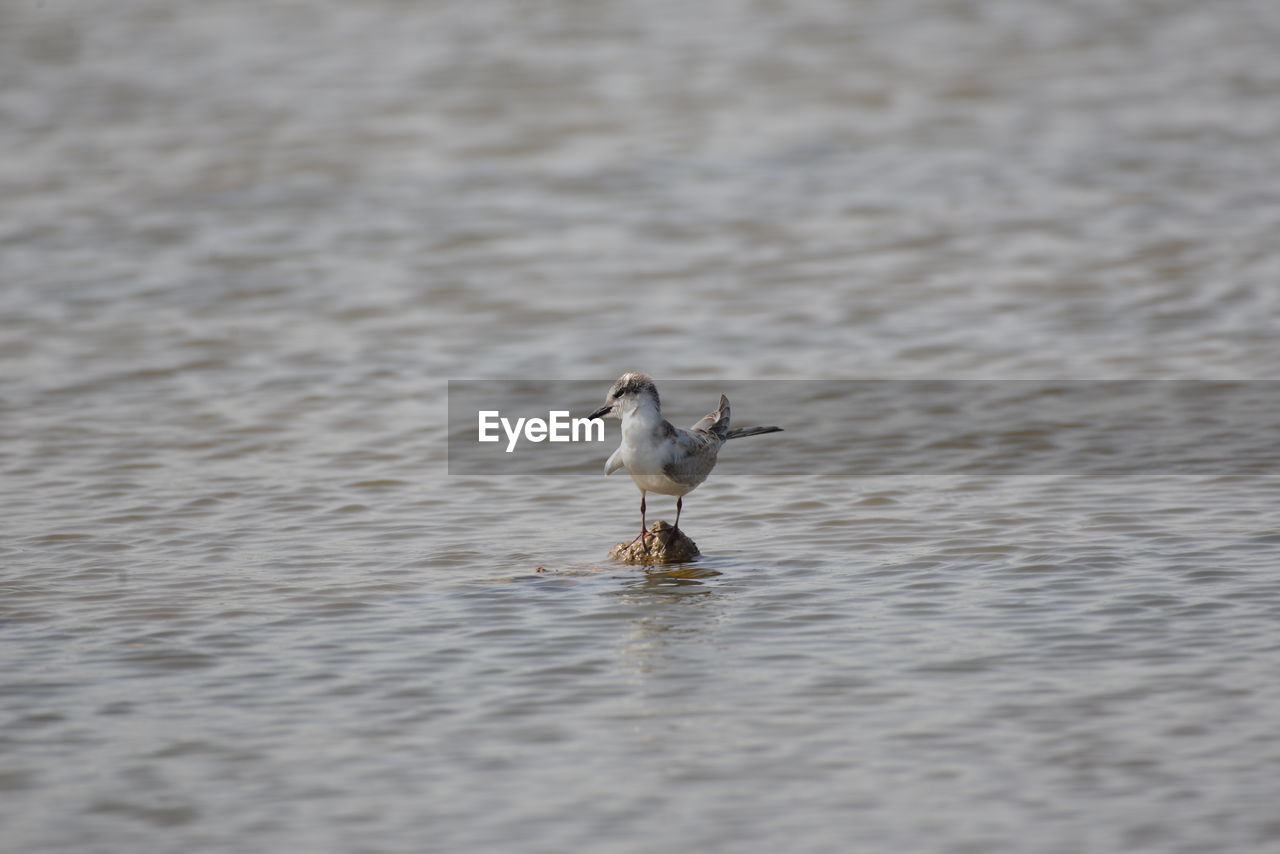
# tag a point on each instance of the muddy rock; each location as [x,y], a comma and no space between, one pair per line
[659,547]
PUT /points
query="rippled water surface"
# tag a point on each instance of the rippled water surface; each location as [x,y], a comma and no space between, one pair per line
[244,245]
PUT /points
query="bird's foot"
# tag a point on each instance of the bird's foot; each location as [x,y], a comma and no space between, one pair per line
[640,538]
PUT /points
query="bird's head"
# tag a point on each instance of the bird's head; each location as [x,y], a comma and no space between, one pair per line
[627,394]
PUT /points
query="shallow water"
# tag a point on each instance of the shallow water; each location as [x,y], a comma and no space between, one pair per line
[244,246]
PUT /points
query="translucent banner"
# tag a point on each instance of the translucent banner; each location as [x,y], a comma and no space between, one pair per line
[887,427]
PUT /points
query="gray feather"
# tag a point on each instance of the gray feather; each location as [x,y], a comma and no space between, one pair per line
[749,431]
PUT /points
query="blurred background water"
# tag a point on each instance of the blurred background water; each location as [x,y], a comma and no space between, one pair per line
[244,245]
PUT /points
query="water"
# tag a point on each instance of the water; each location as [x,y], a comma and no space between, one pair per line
[244,245]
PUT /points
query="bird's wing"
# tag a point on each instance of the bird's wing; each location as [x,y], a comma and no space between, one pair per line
[694,457]
[614,462]
[716,422]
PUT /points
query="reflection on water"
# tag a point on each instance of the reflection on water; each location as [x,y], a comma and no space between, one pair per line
[680,579]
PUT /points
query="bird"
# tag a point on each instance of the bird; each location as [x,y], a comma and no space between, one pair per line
[662,458]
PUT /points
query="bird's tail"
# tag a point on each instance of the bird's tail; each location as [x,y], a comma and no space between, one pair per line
[739,432]
[718,423]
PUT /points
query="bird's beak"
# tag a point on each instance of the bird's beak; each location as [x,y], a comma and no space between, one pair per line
[601,412]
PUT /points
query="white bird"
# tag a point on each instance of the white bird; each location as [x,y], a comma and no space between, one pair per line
[659,457]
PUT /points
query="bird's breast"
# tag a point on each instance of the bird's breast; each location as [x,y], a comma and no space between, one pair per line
[661,484]
[645,458]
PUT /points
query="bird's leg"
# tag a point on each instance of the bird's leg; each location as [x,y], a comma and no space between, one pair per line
[644,530]
[675,529]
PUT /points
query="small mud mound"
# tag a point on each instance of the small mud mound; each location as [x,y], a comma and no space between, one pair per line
[659,547]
